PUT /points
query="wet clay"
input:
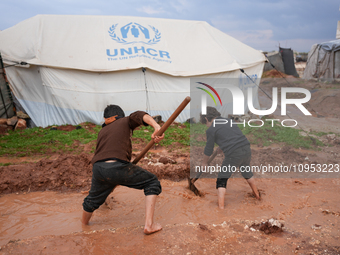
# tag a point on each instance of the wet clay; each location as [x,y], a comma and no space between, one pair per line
[49,222]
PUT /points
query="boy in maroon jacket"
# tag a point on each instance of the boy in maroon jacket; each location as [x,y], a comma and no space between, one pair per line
[112,167]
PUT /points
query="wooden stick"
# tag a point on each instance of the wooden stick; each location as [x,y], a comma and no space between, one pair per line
[212,157]
[179,109]
[191,181]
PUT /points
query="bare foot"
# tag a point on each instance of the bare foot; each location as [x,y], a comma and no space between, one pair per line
[257,196]
[152,229]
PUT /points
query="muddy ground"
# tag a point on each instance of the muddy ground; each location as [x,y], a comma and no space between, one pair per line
[41,200]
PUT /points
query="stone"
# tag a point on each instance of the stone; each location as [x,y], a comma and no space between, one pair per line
[21,124]
[12,121]
[22,115]
[316,226]
[166,160]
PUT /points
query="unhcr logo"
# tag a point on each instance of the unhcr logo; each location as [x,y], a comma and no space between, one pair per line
[134,33]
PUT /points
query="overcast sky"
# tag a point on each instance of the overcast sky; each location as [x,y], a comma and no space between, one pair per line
[261,24]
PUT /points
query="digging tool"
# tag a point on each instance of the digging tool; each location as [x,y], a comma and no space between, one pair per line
[179,109]
[191,181]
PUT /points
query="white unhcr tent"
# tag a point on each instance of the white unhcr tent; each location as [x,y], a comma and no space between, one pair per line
[77,65]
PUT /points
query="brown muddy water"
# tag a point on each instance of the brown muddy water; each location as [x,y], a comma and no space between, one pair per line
[52,219]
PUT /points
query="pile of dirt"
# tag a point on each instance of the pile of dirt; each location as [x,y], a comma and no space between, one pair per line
[268,227]
[67,172]
[170,167]
[171,172]
[324,100]
[325,103]
[273,74]
[74,172]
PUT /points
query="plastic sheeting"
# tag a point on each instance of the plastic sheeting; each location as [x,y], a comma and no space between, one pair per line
[323,61]
[288,61]
[6,102]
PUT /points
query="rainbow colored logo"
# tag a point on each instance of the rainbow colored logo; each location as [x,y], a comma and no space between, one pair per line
[209,93]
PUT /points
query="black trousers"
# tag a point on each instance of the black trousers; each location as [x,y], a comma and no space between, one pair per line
[239,157]
[106,176]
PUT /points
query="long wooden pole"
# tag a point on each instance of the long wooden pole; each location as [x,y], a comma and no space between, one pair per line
[212,157]
[179,109]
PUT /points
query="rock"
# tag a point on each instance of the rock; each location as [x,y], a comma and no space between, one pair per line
[268,227]
[21,125]
[155,164]
[22,115]
[12,121]
[166,160]
[276,223]
[316,226]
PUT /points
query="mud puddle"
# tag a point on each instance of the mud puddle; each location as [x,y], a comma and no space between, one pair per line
[50,220]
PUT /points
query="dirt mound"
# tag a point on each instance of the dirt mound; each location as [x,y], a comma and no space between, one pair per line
[167,167]
[73,172]
[65,173]
[325,103]
[324,100]
[269,227]
[171,172]
[273,74]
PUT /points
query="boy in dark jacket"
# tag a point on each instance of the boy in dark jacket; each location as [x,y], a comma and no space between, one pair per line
[235,146]
[112,167]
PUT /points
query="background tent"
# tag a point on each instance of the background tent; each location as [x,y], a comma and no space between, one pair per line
[275,59]
[323,61]
[288,61]
[79,64]
[6,102]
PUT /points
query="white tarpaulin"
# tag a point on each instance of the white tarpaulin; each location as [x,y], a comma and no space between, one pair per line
[80,64]
[323,61]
